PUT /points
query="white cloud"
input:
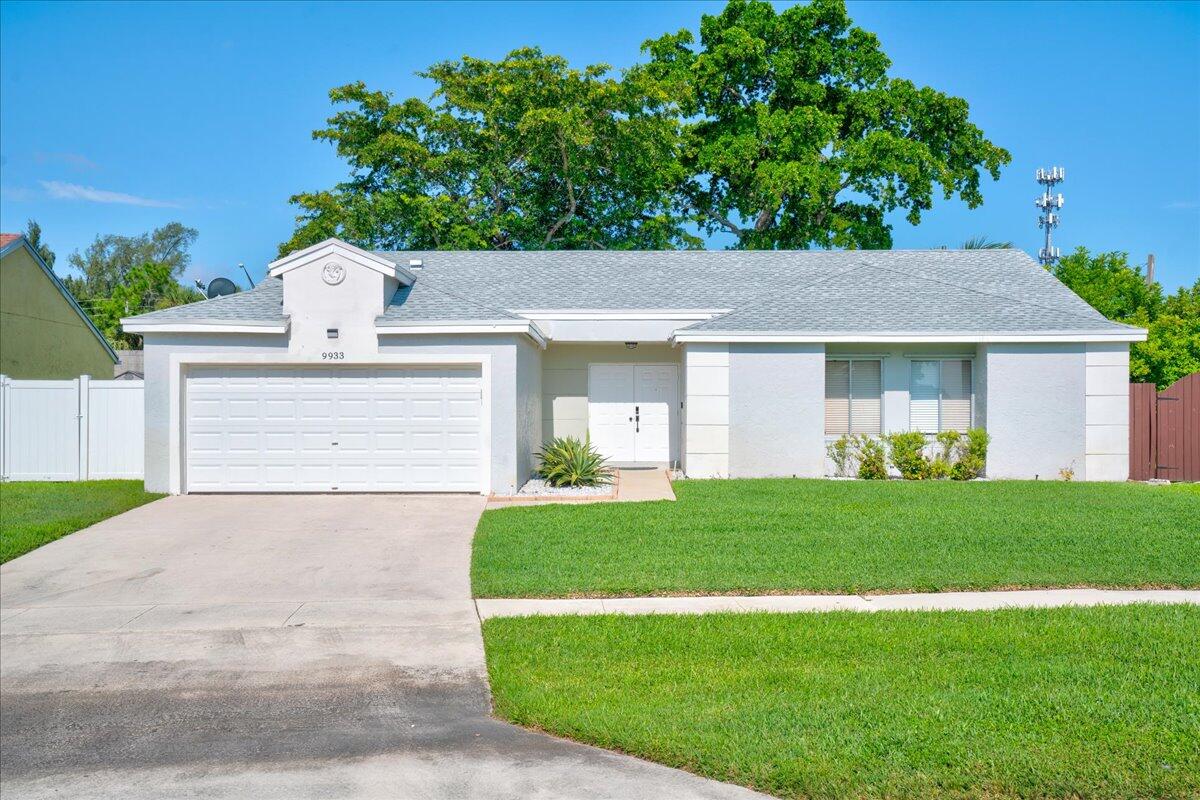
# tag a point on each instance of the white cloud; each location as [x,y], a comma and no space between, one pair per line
[1182,205]
[77,160]
[73,191]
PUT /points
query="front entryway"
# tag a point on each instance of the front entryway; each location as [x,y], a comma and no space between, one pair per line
[322,429]
[633,412]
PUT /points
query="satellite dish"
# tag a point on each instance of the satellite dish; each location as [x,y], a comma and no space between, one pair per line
[218,287]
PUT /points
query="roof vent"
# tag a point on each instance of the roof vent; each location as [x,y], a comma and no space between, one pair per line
[415,263]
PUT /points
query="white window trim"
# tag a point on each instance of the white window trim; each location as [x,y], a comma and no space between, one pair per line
[882,359]
[939,359]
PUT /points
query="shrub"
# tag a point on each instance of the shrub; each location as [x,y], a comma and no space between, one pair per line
[939,468]
[949,440]
[871,462]
[566,461]
[907,452]
[844,455]
[972,456]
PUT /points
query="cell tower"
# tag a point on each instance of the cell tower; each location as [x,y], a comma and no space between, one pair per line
[1049,204]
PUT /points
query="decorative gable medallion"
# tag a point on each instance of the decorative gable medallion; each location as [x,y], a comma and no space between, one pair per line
[333,273]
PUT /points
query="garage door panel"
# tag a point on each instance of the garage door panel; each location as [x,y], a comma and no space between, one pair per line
[279,408]
[316,408]
[333,429]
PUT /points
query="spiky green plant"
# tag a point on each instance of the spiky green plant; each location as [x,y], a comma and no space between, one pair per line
[567,461]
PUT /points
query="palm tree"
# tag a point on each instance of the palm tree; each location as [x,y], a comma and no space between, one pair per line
[981,242]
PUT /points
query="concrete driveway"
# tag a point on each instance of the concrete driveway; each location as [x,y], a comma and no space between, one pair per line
[272,646]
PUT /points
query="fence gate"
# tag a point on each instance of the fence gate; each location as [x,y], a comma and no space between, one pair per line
[1164,430]
[72,430]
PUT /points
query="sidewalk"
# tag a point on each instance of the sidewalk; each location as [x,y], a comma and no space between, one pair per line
[938,601]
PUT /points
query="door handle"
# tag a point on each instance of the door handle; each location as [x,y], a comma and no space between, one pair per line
[637,419]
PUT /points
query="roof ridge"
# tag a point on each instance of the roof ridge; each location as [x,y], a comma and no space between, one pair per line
[1016,300]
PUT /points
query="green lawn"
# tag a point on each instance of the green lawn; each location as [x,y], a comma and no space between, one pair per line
[771,536]
[33,513]
[1091,702]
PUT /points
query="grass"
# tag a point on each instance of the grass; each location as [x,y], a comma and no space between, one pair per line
[33,513]
[1083,702]
[811,536]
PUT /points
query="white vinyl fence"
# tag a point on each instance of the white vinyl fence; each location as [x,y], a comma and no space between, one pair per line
[75,430]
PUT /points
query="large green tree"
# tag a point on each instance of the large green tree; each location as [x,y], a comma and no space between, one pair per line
[1119,291]
[149,286]
[107,260]
[781,128]
[798,137]
[520,153]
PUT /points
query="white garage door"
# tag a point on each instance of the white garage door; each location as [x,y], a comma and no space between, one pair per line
[321,429]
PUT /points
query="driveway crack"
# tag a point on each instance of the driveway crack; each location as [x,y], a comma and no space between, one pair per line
[294,612]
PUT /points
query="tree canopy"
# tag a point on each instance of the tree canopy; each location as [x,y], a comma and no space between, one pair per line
[1119,291]
[121,276]
[107,260]
[33,235]
[148,286]
[782,128]
[520,153]
[800,138]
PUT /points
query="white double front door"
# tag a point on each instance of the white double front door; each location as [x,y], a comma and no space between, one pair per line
[633,411]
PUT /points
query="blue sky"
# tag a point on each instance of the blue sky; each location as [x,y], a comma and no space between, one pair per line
[115,118]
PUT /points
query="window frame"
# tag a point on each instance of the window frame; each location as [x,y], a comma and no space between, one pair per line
[939,360]
[882,361]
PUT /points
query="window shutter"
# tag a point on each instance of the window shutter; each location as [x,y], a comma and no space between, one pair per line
[956,395]
[837,397]
[864,397]
[923,397]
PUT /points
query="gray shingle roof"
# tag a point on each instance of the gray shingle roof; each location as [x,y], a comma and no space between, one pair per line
[871,298]
[895,291]
[263,303]
[425,302]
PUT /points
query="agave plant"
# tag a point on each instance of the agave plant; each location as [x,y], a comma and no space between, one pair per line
[566,461]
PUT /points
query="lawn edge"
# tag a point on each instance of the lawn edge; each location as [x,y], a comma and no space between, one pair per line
[839,592]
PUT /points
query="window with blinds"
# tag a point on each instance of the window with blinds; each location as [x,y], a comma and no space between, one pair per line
[853,397]
[940,396]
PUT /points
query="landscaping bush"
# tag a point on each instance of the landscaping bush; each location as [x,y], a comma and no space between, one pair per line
[566,461]
[872,465]
[907,453]
[949,440]
[972,456]
[844,455]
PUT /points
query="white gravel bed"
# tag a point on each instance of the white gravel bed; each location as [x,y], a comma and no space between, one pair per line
[538,487]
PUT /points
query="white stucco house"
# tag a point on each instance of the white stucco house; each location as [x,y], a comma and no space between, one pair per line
[349,370]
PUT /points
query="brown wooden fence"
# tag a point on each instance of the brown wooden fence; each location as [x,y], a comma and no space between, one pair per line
[1164,430]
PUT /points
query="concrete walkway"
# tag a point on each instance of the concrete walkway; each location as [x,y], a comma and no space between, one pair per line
[289,646]
[637,485]
[632,485]
[939,601]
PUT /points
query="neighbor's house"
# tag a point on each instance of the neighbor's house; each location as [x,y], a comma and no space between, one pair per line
[44,334]
[349,370]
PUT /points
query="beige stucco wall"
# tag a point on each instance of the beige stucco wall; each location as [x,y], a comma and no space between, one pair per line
[565,380]
[41,334]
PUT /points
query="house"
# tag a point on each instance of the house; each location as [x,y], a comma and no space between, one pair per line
[44,334]
[350,370]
